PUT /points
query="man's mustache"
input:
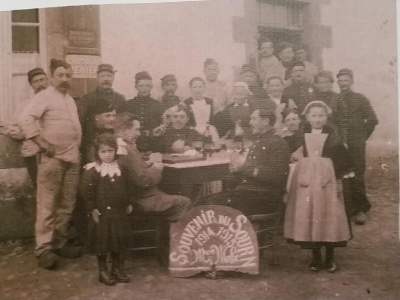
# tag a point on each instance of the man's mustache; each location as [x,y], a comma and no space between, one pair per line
[107,82]
[41,88]
[64,85]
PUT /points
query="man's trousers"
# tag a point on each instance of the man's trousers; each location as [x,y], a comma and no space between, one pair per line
[56,196]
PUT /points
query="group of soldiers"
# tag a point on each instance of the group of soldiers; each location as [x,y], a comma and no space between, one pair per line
[58,132]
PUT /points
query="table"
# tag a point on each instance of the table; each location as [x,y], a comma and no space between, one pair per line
[184,178]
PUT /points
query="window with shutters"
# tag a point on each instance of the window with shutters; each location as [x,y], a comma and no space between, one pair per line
[25,31]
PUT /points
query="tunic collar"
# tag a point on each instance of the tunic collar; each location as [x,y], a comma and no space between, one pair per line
[265,134]
[109,91]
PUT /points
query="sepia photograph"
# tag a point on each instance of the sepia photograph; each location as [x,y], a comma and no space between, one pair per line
[199,150]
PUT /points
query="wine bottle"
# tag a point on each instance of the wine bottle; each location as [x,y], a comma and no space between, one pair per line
[207,141]
[238,137]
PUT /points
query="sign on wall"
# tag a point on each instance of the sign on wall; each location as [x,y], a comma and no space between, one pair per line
[84,66]
[213,237]
[83,42]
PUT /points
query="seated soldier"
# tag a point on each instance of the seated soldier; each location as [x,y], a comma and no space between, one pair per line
[177,135]
[145,175]
[262,174]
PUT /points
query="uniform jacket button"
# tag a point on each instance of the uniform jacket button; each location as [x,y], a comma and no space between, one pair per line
[108,207]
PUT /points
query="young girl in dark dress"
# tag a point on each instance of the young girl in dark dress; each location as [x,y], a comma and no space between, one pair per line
[107,193]
[315,210]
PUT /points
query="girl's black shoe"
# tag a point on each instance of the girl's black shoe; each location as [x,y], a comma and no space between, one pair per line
[120,276]
[116,268]
[330,262]
[316,260]
[331,267]
[315,266]
[104,275]
[106,278]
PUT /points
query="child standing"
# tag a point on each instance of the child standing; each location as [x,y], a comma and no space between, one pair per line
[106,191]
[315,211]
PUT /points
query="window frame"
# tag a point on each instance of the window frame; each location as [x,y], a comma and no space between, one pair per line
[294,10]
[29,24]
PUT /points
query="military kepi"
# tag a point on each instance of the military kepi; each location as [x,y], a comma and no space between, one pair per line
[168,78]
[144,75]
[345,72]
[105,68]
[36,71]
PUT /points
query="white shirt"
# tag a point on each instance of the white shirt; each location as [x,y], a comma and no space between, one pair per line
[201,111]
[218,92]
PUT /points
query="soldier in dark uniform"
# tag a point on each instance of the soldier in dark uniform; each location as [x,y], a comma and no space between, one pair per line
[262,174]
[147,109]
[169,85]
[103,94]
[178,136]
[105,115]
[299,91]
[356,120]
[324,81]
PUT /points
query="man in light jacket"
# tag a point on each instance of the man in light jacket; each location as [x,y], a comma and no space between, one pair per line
[58,133]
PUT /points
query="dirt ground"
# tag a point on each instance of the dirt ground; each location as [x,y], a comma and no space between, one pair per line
[369,266]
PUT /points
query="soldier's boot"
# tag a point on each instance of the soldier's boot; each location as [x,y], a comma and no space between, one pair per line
[47,260]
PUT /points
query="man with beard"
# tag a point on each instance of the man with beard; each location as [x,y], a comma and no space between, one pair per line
[51,121]
[216,89]
[103,93]
[356,120]
[38,80]
[299,91]
[262,173]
